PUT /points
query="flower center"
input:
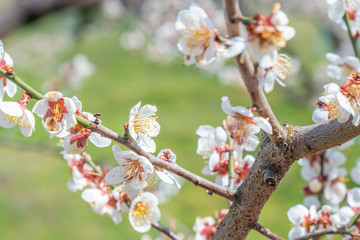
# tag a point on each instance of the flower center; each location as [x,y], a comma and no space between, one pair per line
[140,210]
[198,36]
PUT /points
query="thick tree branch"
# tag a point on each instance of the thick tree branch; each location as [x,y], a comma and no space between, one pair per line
[248,73]
[165,231]
[266,232]
[319,137]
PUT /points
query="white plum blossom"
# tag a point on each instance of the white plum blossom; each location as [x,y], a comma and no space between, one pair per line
[340,68]
[267,34]
[276,72]
[333,103]
[143,212]
[165,176]
[243,125]
[76,140]
[103,203]
[133,171]
[15,114]
[206,143]
[57,113]
[143,126]
[303,219]
[337,8]
[335,189]
[6,63]
[97,199]
[77,182]
[202,227]
[76,70]
[197,35]
[342,216]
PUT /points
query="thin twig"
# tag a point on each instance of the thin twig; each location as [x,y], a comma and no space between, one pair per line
[170,166]
[266,232]
[352,39]
[247,70]
[354,220]
[330,231]
[165,231]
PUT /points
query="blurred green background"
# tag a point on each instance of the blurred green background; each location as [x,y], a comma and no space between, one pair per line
[34,200]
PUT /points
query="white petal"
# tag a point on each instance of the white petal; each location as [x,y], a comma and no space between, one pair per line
[296,232]
[115,176]
[147,144]
[28,124]
[296,213]
[205,130]
[237,46]
[263,124]
[226,106]
[320,115]
[99,140]
[220,136]
[10,88]
[353,197]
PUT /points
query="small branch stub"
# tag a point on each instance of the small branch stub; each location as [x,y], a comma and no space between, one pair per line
[269,177]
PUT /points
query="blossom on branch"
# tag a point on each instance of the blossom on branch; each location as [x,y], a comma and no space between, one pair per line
[15,114]
[143,126]
[7,64]
[76,140]
[57,113]
[205,228]
[165,176]
[200,41]
[267,34]
[197,41]
[341,68]
[144,211]
[333,103]
[243,125]
[133,171]
[277,72]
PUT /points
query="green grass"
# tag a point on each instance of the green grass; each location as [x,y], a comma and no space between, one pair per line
[35,203]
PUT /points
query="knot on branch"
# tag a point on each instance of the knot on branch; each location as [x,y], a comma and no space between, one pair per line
[269,177]
[97,120]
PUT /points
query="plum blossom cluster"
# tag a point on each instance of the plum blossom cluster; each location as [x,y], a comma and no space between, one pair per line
[102,198]
[225,145]
[106,200]
[205,228]
[307,220]
[201,43]
[340,102]
[136,172]
[325,176]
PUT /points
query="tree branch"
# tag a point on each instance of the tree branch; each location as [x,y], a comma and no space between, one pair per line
[172,167]
[247,70]
[331,231]
[165,231]
[319,137]
[266,232]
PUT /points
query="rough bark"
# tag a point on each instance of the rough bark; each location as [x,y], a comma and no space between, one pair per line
[254,192]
